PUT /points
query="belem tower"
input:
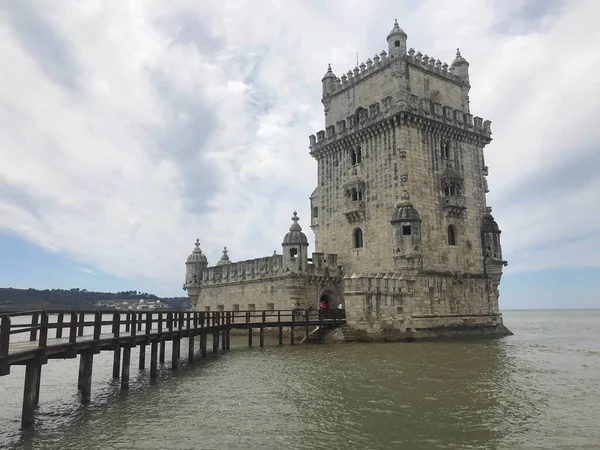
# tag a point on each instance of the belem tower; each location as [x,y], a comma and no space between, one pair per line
[405,240]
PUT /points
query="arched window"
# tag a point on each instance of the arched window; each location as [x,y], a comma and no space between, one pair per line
[358,238]
[353,157]
[358,156]
[451,235]
[293,253]
[445,150]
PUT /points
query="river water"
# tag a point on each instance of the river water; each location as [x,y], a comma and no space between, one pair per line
[539,389]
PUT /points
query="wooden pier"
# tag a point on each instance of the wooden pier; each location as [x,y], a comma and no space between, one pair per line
[31,338]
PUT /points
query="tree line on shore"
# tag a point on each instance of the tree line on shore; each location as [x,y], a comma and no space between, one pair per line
[31,299]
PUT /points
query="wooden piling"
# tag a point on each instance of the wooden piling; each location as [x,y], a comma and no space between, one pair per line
[142,365]
[191,348]
[33,370]
[125,367]
[203,342]
[81,370]
[280,328]
[262,336]
[116,361]
[175,353]
[87,360]
[153,359]
[249,337]
[215,340]
[292,328]
[162,350]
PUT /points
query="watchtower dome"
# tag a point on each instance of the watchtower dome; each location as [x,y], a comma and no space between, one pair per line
[295,248]
[396,41]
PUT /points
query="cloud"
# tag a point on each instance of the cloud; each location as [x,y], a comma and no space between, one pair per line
[130,129]
[87,271]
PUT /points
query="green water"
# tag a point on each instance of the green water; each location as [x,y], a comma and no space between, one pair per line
[538,389]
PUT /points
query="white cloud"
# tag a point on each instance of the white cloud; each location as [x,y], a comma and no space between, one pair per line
[160,123]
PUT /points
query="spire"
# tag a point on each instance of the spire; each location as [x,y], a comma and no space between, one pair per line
[396,31]
[295,226]
[224,259]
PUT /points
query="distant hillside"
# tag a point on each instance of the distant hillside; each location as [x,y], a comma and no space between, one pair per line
[27,299]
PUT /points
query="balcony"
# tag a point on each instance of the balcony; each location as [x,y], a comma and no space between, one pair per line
[454,205]
[354,210]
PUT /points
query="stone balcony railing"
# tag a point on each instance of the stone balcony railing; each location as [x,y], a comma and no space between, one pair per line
[354,210]
[454,204]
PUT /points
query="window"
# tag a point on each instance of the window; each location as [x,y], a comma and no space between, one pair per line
[207,308]
[270,307]
[354,194]
[451,235]
[396,43]
[406,231]
[251,307]
[356,156]
[445,150]
[358,238]
[220,307]
[315,211]
[293,253]
[236,307]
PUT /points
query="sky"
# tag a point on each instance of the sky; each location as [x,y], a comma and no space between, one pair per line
[130,128]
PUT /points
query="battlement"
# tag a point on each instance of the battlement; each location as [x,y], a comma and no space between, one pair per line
[321,264]
[379,62]
[371,116]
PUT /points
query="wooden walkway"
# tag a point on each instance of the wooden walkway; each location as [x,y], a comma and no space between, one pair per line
[31,338]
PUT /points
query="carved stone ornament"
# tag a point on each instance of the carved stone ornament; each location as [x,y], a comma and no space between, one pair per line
[351,121]
[374,110]
[362,116]
[387,104]
[330,132]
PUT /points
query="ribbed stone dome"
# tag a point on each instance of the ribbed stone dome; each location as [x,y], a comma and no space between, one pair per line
[459,60]
[405,211]
[197,256]
[489,225]
[396,31]
[329,73]
[224,259]
[295,236]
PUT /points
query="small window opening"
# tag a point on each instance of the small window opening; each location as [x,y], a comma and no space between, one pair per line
[207,308]
[358,238]
[359,195]
[270,307]
[251,307]
[293,253]
[445,150]
[396,43]
[406,230]
[354,194]
[353,157]
[220,307]
[236,307]
[358,156]
[315,211]
[451,235]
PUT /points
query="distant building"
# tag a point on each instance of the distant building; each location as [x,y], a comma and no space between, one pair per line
[405,240]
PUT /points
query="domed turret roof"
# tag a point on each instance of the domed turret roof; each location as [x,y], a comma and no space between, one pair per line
[459,60]
[329,73]
[405,211]
[197,256]
[489,225]
[396,31]
[295,236]
[224,259]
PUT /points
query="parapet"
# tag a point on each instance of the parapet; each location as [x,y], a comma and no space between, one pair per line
[381,61]
[379,113]
[266,267]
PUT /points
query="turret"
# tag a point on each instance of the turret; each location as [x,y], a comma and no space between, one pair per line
[194,265]
[397,41]
[224,259]
[295,248]
[492,251]
[407,234]
[329,80]
[460,67]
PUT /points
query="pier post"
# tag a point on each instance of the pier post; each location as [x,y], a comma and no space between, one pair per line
[87,361]
[280,328]
[125,367]
[292,328]
[81,370]
[142,356]
[215,339]
[191,348]
[116,361]
[175,353]
[153,357]
[203,339]
[33,370]
[249,337]
[162,350]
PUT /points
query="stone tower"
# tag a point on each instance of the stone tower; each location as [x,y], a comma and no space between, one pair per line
[295,248]
[401,194]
